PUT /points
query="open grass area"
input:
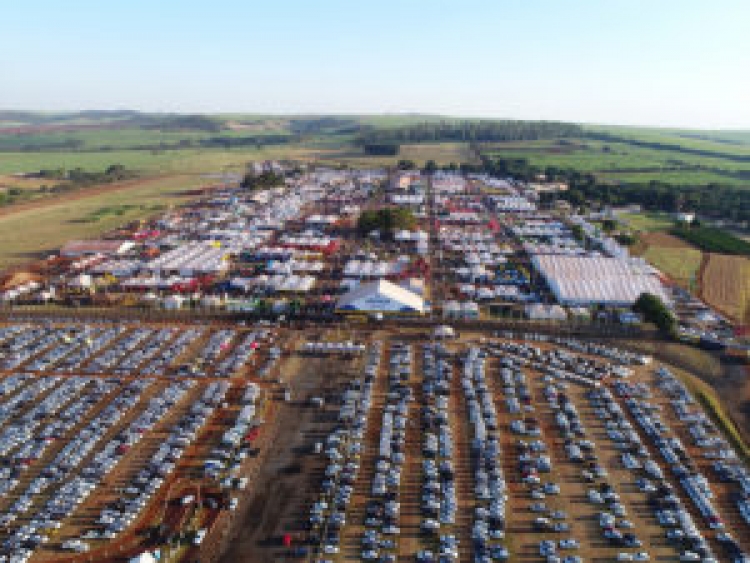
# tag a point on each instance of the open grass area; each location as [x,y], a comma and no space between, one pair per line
[442,153]
[679,177]
[613,161]
[8,182]
[152,162]
[680,264]
[647,222]
[120,211]
[29,234]
[217,160]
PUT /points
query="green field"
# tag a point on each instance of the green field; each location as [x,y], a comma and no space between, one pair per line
[647,222]
[712,240]
[680,264]
[622,162]
[151,162]
[57,222]
[120,137]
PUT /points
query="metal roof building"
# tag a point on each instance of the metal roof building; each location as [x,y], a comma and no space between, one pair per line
[594,280]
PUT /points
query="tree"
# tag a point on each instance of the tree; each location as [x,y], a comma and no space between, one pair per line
[386,220]
[381,149]
[654,310]
[578,233]
[625,239]
[609,225]
[430,166]
[264,180]
[404,164]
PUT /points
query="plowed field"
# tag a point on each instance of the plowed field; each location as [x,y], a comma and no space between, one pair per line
[725,285]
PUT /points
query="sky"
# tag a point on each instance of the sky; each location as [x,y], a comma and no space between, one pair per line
[671,63]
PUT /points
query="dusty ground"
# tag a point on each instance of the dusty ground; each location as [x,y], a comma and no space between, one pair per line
[286,484]
[664,239]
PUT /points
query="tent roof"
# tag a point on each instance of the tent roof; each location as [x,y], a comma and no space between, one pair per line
[385,289]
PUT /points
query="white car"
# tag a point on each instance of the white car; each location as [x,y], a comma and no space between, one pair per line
[569,544]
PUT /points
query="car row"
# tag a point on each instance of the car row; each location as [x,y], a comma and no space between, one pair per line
[343,448]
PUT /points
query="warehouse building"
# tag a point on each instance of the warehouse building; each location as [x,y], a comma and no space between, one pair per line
[594,280]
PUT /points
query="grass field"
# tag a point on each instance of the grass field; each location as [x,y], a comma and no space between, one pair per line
[22,183]
[153,162]
[728,141]
[647,222]
[32,233]
[216,160]
[674,257]
[441,153]
[623,162]
[680,264]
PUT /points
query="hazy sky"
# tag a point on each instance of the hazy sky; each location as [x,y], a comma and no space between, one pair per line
[649,62]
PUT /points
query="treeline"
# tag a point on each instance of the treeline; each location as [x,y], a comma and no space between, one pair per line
[221,142]
[470,131]
[79,177]
[721,202]
[712,200]
[709,239]
[229,142]
[183,123]
[9,144]
[381,149]
[324,125]
[63,181]
[657,145]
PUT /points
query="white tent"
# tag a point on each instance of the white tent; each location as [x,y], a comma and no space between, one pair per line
[444,331]
[172,302]
[540,311]
[381,295]
[144,558]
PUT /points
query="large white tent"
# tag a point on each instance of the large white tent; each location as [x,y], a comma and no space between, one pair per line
[381,295]
[591,280]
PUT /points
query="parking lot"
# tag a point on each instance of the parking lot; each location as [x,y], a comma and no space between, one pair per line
[329,445]
[103,424]
[501,449]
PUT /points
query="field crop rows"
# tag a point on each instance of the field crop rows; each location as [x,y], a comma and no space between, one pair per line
[725,284]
